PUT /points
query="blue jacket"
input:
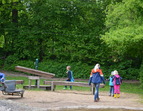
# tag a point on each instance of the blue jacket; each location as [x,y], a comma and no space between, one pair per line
[2,77]
[97,78]
[111,81]
[70,76]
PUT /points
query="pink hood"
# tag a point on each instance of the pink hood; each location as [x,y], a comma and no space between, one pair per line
[117,75]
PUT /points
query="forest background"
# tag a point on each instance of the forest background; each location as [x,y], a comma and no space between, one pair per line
[79,33]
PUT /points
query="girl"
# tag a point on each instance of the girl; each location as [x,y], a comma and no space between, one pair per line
[117,80]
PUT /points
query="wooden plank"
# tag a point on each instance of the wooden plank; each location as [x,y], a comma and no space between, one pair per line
[40,87]
[19,81]
[33,77]
[35,72]
[66,83]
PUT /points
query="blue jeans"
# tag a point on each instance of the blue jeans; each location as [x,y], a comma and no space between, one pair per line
[70,86]
[112,90]
[96,95]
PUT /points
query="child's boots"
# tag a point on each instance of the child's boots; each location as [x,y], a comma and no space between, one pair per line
[115,95]
[118,95]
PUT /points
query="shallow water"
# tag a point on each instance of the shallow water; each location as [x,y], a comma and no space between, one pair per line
[100,110]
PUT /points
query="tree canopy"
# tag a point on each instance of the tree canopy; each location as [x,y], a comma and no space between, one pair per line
[85,32]
[125,28]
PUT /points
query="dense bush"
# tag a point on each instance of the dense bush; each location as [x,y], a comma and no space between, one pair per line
[80,70]
[141,75]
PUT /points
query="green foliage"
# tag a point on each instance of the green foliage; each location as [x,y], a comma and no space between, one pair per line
[69,32]
[57,30]
[11,59]
[141,75]
[124,33]
[125,70]
[59,68]
[1,41]
[124,22]
[80,70]
[11,67]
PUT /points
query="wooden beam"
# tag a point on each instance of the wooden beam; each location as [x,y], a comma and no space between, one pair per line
[66,83]
[35,72]
[19,81]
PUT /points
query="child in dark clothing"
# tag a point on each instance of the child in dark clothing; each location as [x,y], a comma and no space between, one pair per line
[70,76]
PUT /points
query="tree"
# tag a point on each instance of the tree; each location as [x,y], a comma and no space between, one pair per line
[124,33]
[62,30]
[125,27]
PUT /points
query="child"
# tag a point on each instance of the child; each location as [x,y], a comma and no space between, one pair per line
[70,76]
[111,92]
[96,77]
[2,77]
[117,80]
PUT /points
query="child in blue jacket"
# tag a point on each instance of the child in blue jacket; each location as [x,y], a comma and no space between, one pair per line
[2,77]
[70,76]
[111,91]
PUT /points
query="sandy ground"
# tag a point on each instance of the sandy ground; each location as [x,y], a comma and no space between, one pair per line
[74,99]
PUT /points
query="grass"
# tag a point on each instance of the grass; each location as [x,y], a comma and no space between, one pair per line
[125,87]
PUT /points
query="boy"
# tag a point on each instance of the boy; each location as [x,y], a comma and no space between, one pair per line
[69,75]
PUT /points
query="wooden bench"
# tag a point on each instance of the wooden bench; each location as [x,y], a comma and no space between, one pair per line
[37,78]
[66,83]
[19,81]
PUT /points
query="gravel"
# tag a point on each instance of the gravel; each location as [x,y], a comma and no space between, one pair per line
[9,105]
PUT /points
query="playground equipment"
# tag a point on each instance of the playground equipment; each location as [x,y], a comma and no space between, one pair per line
[66,83]
[37,78]
[51,83]
[9,88]
[35,72]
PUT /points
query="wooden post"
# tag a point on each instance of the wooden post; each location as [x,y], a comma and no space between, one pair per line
[29,83]
[52,86]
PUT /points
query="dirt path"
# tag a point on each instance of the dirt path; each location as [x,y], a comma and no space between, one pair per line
[75,99]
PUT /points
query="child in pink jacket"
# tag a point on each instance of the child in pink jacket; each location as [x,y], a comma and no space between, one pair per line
[117,80]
